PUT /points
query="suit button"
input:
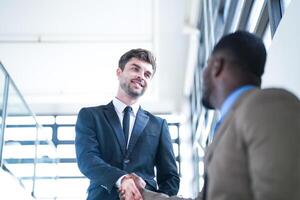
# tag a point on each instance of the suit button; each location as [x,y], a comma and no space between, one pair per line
[126,161]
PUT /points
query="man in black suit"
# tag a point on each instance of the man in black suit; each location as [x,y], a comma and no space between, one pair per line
[118,147]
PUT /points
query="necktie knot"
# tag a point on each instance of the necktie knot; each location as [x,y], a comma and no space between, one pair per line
[127,109]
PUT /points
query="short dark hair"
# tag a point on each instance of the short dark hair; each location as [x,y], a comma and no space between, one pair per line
[247,49]
[140,54]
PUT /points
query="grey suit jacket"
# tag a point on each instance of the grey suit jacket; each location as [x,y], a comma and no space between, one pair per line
[256,151]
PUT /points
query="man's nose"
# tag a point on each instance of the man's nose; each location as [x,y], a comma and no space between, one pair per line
[140,75]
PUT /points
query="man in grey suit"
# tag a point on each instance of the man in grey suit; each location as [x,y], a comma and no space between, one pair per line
[255,154]
[119,145]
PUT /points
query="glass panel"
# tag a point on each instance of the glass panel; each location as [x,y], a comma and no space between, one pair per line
[284,5]
[28,152]
[254,14]
[201,183]
[47,188]
[171,118]
[201,168]
[45,168]
[81,185]
[66,133]
[68,169]
[267,37]
[25,170]
[62,188]
[237,15]
[16,152]
[173,132]
[19,120]
[226,8]
[66,119]
[175,149]
[66,151]
[45,119]
[16,106]
[215,6]
[27,133]
[21,169]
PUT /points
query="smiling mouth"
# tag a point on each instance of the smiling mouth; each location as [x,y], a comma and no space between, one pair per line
[137,82]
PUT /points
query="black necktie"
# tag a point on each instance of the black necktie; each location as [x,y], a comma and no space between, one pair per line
[126,122]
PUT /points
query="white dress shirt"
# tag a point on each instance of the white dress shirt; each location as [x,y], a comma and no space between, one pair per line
[119,108]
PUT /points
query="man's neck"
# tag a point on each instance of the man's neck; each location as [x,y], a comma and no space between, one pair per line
[224,91]
[232,98]
[126,99]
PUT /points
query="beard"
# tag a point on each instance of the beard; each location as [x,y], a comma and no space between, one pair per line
[205,102]
[206,94]
[131,91]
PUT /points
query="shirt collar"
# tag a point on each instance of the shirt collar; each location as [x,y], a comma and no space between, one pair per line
[120,106]
[232,98]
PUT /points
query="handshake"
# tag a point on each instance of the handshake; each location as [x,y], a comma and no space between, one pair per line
[131,187]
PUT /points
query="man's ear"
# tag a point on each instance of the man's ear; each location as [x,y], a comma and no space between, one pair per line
[119,71]
[218,66]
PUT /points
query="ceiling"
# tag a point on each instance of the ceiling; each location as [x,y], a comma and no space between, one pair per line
[63,54]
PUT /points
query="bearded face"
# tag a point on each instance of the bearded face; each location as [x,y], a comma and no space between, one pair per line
[135,77]
[135,87]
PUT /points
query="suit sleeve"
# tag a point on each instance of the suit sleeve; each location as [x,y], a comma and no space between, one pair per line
[88,156]
[272,133]
[167,175]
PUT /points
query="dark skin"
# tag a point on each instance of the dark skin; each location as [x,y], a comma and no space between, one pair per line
[221,77]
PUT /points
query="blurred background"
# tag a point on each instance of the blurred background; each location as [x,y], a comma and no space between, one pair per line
[60,55]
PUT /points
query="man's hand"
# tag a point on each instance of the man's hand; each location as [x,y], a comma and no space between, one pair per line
[131,185]
[139,182]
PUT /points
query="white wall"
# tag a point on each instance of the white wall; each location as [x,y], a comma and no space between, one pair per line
[63,54]
[283,64]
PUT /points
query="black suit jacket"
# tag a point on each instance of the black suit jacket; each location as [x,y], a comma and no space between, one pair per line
[103,158]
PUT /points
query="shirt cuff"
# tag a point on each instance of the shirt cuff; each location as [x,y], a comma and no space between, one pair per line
[118,183]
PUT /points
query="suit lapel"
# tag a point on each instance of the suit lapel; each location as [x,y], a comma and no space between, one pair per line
[114,121]
[218,136]
[224,125]
[139,125]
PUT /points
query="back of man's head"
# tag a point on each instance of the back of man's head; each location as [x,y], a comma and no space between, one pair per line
[246,49]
